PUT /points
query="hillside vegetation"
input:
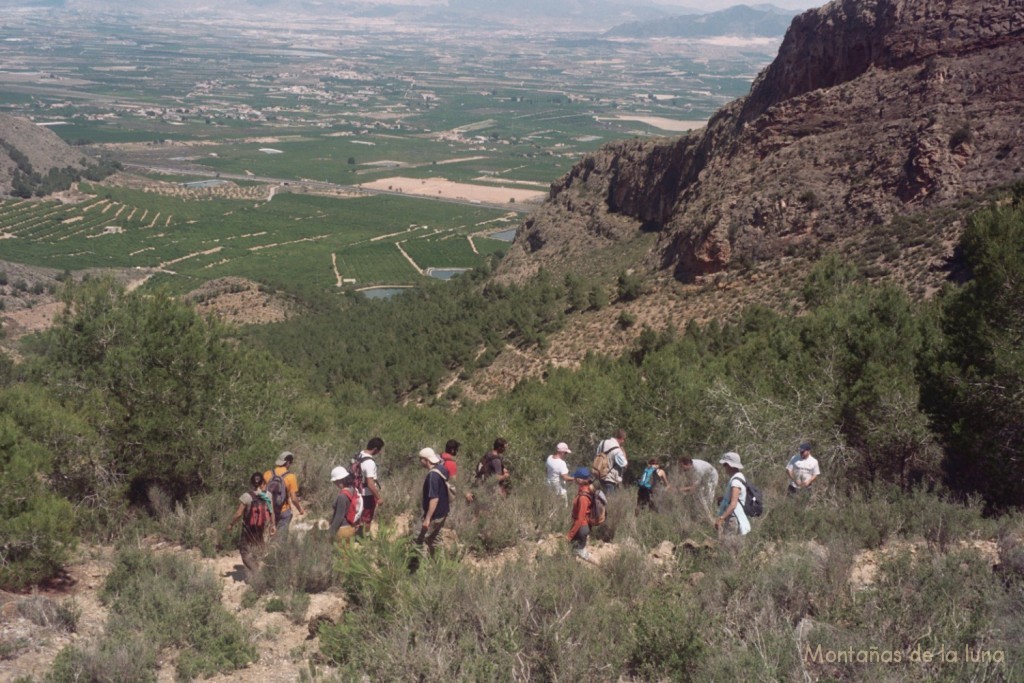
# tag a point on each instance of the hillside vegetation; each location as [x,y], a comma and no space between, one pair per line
[136,418]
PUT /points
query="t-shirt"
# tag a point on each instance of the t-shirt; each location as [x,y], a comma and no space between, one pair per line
[556,467]
[369,469]
[736,481]
[803,468]
[616,454]
[291,484]
[704,475]
[449,464]
[494,463]
[341,505]
[434,486]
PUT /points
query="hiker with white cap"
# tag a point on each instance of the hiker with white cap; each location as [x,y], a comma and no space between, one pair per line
[436,499]
[731,518]
[348,507]
[283,487]
[558,471]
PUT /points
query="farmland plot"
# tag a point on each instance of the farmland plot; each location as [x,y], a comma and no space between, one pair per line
[292,242]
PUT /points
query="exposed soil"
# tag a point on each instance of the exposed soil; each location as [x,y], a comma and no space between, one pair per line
[439,187]
[242,302]
[283,646]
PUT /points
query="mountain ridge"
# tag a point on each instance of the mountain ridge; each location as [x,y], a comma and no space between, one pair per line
[738,20]
[906,105]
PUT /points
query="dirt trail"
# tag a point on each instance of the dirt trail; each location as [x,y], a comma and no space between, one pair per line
[284,647]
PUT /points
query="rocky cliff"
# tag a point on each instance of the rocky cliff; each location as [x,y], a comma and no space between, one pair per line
[873,109]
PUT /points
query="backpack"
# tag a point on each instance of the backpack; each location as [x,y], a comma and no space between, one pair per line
[355,504]
[357,470]
[256,515]
[754,504]
[277,490]
[444,478]
[647,479]
[601,465]
[483,468]
[598,507]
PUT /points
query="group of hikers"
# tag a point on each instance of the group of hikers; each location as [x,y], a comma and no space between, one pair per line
[265,509]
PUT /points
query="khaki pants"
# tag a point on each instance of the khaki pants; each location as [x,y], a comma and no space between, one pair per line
[343,537]
[428,537]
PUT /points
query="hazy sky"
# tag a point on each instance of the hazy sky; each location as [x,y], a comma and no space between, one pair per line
[722,4]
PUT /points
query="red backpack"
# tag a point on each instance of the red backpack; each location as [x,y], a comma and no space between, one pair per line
[353,506]
[256,515]
[357,470]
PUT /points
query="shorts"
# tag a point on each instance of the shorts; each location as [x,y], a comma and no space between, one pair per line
[369,507]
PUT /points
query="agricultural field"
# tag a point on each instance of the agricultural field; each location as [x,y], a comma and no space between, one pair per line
[291,242]
[344,106]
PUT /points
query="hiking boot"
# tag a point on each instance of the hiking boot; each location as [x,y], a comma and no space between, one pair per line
[583,554]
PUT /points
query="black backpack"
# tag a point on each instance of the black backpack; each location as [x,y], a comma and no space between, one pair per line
[754,504]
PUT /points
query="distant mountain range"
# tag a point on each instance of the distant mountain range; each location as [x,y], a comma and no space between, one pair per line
[741,20]
[635,18]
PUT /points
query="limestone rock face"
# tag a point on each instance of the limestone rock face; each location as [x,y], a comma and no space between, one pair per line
[872,109]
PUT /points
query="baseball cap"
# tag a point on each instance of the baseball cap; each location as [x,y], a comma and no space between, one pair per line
[430,456]
[338,473]
[285,458]
[581,473]
[563,447]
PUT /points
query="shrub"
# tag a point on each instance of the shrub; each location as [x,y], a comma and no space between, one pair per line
[667,643]
[158,601]
[35,524]
[49,613]
[296,565]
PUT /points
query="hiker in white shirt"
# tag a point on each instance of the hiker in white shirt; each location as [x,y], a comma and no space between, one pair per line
[802,470]
[702,480]
[613,448]
[558,471]
[732,519]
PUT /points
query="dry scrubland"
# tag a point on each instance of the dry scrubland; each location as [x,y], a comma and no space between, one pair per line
[897,573]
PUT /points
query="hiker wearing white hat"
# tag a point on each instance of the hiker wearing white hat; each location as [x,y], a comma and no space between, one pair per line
[348,507]
[436,499]
[558,471]
[731,518]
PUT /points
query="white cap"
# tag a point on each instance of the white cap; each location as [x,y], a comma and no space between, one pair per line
[430,456]
[338,473]
[563,447]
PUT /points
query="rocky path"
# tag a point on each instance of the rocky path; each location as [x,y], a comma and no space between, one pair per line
[28,647]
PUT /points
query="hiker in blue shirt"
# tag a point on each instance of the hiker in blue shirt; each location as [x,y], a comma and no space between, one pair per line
[435,500]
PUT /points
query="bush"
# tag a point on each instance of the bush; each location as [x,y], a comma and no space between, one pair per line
[49,613]
[35,524]
[667,643]
[296,565]
[155,602]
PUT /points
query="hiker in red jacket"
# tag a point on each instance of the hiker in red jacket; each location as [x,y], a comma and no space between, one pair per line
[580,531]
